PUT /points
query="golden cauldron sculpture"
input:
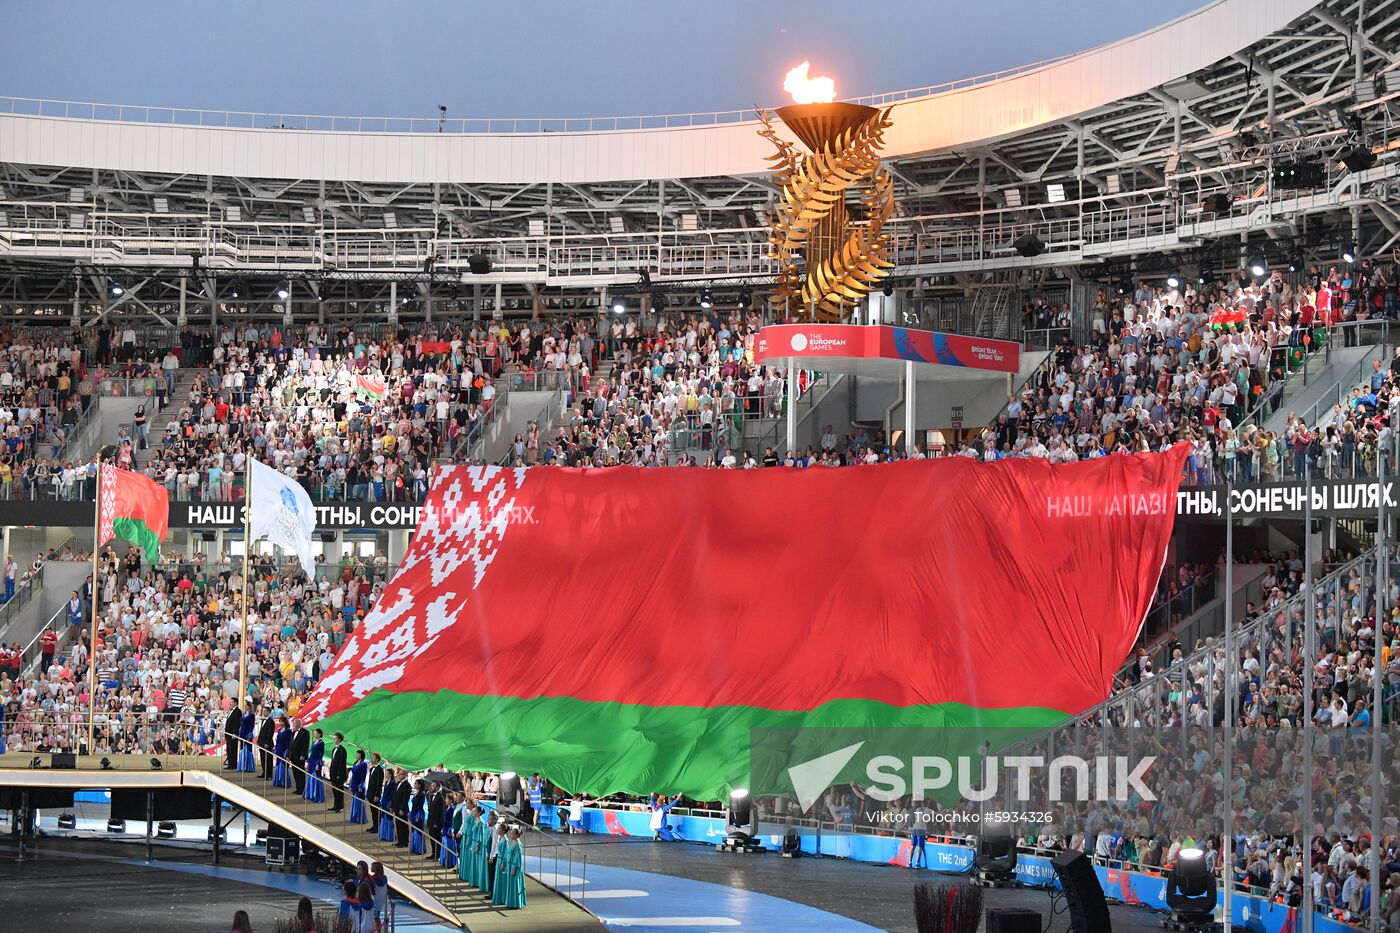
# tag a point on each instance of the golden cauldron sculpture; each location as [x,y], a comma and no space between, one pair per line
[828,259]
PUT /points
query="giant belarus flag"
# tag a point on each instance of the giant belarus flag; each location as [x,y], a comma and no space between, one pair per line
[623,629]
[132,507]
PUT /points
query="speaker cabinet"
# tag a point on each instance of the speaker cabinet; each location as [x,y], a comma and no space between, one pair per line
[1013,920]
[1088,911]
[66,760]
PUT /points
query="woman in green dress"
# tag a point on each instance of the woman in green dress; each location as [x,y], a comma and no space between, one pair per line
[468,829]
[509,887]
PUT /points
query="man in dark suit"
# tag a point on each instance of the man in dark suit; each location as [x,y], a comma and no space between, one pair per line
[402,792]
[265,736]
[374,787]
[297,753]
[437,809]
[338,771]
[232,724]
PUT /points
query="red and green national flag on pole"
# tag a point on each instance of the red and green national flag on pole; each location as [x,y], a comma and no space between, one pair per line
[626,629]
[370,387]
[133,508]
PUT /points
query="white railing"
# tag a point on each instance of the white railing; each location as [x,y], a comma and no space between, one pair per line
[236,119]
[1150,219]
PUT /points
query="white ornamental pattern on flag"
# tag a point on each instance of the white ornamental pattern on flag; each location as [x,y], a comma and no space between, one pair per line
[107,496]
[464,524]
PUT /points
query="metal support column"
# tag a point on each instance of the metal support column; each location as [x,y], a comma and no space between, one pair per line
[393,315]
[150,816]
[1309,653]
[910,386]
[1377,691]
[218,826]
[790,409]
[180,319]
[1231,700]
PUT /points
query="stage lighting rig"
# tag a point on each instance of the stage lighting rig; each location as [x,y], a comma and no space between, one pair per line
[996,857]
[1191,895]
[741,824]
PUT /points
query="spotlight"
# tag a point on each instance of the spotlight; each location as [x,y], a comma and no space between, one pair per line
[156,765]
[618,305]
[1257,267]
[1348,253]
[741,824]
[1191,893]
[106,764]
[1028,245]
[792,843]
[658,301]
[996,857]
[888,290]
[36,762]
[745,296]
[234,292]
[706,299]
[282,293]
[1173,281]
[508,796]
[67,821]
[117,290]
[165,830]
[1218,203]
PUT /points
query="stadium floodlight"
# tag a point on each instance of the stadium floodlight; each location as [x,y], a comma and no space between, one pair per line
[1191,893]
[1055,193]
[117,290]
[706,299]
[283,293]
[1349,253]
[658,301]
[618,305]
[746,296]
[1258,267]
[1173,281]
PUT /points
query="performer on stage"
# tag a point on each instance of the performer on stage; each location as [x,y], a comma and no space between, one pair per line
[315,788]
[447,836]
[437,811]
[337,774]
[357,788]
[374,788]
[265,733]
[661,819]
[386,807]
[467,824]
[498,840]
[508,889]
[281,744]
[417,817]
[485,861]
[298,754]
[246,760]
[403,794]
[233,725]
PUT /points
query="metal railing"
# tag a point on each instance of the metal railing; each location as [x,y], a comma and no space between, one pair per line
[192,116]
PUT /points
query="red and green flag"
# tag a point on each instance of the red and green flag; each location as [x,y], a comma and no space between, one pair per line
[624,630]
[131,507]
[370,387]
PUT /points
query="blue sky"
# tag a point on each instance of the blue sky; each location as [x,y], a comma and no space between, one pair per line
[527,58]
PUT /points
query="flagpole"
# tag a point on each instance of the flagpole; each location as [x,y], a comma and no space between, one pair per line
[247,546]
[96,597]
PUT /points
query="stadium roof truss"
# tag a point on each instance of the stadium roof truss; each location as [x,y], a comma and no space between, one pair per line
[1139,177]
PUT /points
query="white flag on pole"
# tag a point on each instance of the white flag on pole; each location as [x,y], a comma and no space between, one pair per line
[281,511]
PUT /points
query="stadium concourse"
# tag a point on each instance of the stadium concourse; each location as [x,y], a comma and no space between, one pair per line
[583,636]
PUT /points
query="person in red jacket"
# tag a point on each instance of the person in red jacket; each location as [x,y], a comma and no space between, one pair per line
[48,644]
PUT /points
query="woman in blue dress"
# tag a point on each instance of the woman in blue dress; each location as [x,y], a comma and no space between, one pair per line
[417,816]
[386,807]
[357,788]
[246,761]
[280,745]
[315,790]
[448,853]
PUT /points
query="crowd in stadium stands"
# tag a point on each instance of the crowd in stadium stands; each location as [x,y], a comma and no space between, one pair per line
[167,661]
